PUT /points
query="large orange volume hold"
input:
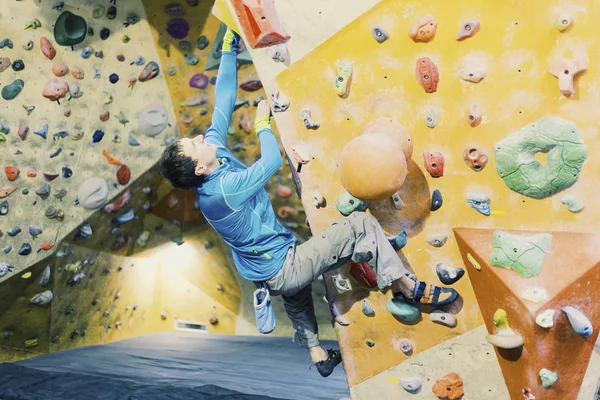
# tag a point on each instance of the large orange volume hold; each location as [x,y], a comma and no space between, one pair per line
[260,22]
[372,167]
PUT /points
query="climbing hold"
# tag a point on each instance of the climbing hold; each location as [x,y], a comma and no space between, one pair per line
[4,128]
[431,117]
[4,208]
[566,70]
[6,42]
[35,231]
[467,29]
[191,59]
[306,117]
[131,19]
[473,75]
[523,253]
[47,48]
[122,118]
[397,200]
[436,200]
[125,217]
[423,30]
[545,319]
[60,70]
[6,191]
[97,136]
[132,140]
[202,42]
[119,203]
[346,204]
[150,71]
[27,44]
[11,172]
[434,163]
[563,22]
[571,203]
[104,33]
[153,119]
[93,193]
[338,317]
[50,176]
[76,134]
[479,202]
[58,6]
[31,173]
[379,34]
[279,102]
[74,90]
[8,248]
[113,78]
[55,89]
[99,54]
[86,52]
[437,240]
[33,23]
[404,311]
[411,385]
[171,71]
[4,63]
[67,172]
[528,394]
[474,115]
[343,78]
[2,137]
[42,299]
[18,65]
[448,275]
[366,308]
[29,109]
[318,200]
[475,157]
[69,29]
[139,60]
[9,92]
[280,53]
[5,269]
[43,191]
[98,11]
[251,85]
[535,294]
[178,28]
[143,238]
[443,318]
[579,322]
[399,241]
[341,284]
[123,175]
[199,81]
[105,116]
[77,72]
[25,249]
[505,338]
[125,39]
[370,342]
[449,387]
[548,377]
[406,346]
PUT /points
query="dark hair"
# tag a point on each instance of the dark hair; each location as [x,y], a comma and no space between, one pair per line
[178,168]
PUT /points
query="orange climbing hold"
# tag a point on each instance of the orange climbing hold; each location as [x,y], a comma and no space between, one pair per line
[31,173]
[7,190]
[284,211]
[47,246]
[260,22]
[449,387]
[11,172]
[111,159]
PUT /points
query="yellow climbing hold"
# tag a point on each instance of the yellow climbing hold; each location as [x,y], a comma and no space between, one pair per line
[108,98]
[342,78]
[26,275]
[473,262]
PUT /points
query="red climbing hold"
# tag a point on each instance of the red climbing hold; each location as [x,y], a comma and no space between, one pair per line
[47,246]
[123,175]
[251,85]
[260,22]
[11,172]
[50,177]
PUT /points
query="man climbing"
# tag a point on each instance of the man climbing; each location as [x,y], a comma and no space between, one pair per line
[233,200]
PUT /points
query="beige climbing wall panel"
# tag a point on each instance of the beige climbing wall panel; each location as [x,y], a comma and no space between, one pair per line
[510,55]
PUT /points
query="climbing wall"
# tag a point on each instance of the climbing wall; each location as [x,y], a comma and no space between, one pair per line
[517,146]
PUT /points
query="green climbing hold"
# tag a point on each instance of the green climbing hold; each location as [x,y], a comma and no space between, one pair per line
[548,377]
[565,154]
[202,42]
[98,11]
[523,253]
[401,309]
[2,137]
[11,91]
[370,342]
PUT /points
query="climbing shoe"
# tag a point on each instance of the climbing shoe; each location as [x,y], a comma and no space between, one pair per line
[428,295]
[325,367]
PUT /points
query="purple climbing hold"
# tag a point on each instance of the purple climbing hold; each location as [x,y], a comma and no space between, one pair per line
[199,81]
[178,28]
[98,135]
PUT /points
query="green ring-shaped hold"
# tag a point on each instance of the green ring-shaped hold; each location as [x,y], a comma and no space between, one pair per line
[565,154]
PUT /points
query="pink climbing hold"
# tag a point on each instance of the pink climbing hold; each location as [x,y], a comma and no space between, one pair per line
[105,116]
[283,191]
[55,89]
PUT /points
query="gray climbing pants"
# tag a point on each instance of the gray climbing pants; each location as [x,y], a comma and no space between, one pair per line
[359,238]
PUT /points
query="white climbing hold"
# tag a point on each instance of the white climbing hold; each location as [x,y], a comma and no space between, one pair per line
[337,315]
[563,22]
[366,309]
[535,294]
[93,193]
[473,74]
[506,338]
[318,199]
[411,385]
[279,53]
[342,285]
[443,318]
[571,203]
[397,200]
[545,319]
[437,240]
[153,119]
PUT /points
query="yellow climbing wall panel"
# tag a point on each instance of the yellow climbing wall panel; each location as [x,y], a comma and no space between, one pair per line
[516,43]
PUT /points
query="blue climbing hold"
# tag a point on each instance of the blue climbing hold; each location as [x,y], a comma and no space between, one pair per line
[35,231]
[399,241]
[213,80]
[8,249]
[113,78]
[97,136]
[56,152]
[436,200]
[203,111]
[67,172]
[133,141]
[25,249]
[14,231]
[125,217]
[42,132]
[86,52]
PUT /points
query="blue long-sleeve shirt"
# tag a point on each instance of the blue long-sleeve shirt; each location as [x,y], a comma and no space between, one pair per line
[233,199]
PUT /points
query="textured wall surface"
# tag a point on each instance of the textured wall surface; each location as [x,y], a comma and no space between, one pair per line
[515,53]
